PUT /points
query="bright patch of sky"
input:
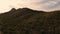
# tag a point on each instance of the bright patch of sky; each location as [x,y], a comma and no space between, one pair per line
[47,5]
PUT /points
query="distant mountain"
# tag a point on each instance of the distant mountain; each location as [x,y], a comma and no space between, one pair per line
[28,21]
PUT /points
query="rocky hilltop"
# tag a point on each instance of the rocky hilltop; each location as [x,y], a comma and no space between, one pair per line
[28,21]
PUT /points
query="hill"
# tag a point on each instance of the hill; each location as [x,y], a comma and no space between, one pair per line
[28,21]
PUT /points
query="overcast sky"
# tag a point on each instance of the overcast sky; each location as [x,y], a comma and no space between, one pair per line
[6,5]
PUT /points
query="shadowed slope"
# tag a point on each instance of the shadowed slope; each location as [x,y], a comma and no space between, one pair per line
[28,21]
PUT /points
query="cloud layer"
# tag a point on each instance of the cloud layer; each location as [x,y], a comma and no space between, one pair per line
[46,5]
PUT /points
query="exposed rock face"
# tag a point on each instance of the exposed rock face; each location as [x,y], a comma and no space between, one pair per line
[28,21]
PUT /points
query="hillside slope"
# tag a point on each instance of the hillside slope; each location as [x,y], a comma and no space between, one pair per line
[28,21]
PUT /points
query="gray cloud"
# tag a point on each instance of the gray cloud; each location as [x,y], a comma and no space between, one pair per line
[55,5]
[49,5]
